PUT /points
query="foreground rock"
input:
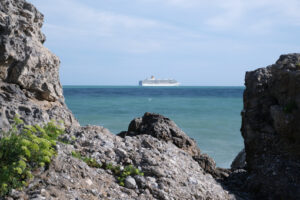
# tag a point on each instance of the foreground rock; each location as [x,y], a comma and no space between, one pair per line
[169,172]
[271,129]
[29,72]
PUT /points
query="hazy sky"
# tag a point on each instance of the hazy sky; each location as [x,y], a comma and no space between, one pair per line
[197,42]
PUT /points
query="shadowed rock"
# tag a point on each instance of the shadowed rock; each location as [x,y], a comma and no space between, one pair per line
[240,161]
[271,128]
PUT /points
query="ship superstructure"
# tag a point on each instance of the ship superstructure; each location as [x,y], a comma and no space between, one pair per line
[158,82]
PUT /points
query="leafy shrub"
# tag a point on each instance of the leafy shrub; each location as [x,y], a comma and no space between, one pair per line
[24,148]
[120,172]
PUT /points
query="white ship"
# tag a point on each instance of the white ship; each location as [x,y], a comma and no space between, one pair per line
[158,82]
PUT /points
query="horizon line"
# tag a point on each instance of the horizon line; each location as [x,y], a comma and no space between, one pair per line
[157,86]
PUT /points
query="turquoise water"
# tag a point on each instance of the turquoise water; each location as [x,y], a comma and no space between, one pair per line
[210,115]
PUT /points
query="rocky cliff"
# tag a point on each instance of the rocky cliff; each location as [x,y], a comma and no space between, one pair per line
[29,72]
[271,129]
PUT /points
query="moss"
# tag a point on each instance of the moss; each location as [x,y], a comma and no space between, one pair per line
[289,107]
[24,148]
[120,172]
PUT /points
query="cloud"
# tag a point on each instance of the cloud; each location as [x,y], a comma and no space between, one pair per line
[232,15]
[132,34]
[138,33]
[250,14]
[79,14]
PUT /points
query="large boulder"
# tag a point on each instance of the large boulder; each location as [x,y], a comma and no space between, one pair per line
[271,128]
[162,128]
[29,72]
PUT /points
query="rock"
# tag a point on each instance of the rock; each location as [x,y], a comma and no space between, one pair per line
[130,183]
[29,72]
[162,128]
[24,60]
[240,161]
[166,130]
[167,168]
[207,163]
[270,127]
[141,181]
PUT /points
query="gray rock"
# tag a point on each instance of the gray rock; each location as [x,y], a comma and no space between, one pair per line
[29,72]
[240,161]
[270,127]
[141,181]
[130,183]
[162,128]
[166,130]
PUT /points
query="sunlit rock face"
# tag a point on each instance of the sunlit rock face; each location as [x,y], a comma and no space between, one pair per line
[29,72]
[271,128]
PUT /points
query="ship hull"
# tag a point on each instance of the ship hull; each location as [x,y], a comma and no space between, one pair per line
[159,85]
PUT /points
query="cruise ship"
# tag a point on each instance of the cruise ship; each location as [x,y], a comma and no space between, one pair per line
[158,82]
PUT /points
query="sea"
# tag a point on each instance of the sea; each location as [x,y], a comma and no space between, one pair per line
[210,115]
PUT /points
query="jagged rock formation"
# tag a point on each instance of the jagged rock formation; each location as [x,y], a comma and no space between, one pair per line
[170,172]
[271,129]
[165,129]
[29,72]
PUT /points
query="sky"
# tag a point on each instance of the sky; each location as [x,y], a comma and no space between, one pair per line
[196,42]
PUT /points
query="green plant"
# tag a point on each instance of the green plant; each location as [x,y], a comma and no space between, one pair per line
[289,107]
[129,170]
[89,161]
[120,172]
[24,148]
